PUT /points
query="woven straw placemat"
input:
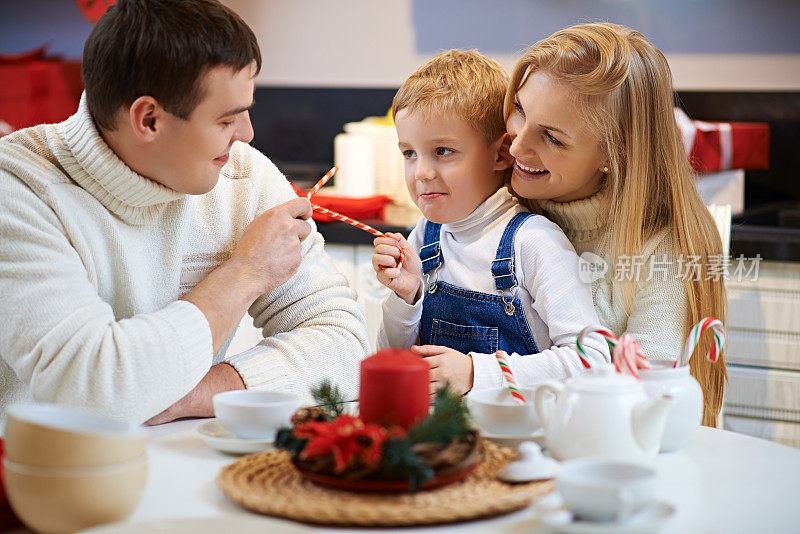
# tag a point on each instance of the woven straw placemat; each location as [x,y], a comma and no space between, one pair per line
[268,483]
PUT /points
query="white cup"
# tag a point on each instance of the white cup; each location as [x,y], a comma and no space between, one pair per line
[496,412]
[252,414]
[603,490]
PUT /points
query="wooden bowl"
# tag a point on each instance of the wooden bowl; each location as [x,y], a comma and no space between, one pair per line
[382,486]
[453,463]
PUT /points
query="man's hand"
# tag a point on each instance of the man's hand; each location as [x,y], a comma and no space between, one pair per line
[269,251]
[197,403]
[267,255]
[447,365]
[404,281]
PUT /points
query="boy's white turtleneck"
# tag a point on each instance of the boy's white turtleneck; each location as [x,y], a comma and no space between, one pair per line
[556,303]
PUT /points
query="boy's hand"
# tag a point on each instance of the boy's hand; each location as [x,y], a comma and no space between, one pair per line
[447,365]
[404,281]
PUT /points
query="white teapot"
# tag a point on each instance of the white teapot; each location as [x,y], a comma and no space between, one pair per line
[685,416]
[602,414]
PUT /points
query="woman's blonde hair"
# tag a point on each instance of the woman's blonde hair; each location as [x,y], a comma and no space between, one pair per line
[623,85]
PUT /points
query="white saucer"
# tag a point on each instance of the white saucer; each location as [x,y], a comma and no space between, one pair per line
[649,519]
[218,437]
[510,440]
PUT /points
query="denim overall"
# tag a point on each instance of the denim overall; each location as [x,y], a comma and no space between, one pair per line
[470,321]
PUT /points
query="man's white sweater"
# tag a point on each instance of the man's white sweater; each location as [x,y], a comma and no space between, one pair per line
[557,304]
[94,259]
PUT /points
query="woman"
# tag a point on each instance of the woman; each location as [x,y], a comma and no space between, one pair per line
[597,150]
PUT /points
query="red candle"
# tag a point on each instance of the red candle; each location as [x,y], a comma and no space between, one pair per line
[394,388]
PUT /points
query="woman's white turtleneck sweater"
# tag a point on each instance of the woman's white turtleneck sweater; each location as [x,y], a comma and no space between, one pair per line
[659,315]
[557,304]
[94,259]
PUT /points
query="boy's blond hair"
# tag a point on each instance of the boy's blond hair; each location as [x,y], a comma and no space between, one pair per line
[463,82]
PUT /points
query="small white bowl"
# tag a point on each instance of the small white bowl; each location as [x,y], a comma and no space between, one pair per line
[605,490]
[252,414]
[496,412]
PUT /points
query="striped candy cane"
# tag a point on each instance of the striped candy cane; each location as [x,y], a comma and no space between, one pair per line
[609,336]
[322,181]
[348,220]
[344,218]
[510,380]
[628,357]
[694,338]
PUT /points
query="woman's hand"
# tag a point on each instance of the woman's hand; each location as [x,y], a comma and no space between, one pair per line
[447,365]
[404,281]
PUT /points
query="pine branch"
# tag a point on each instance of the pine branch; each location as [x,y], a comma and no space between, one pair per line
[399,461]
[285,440]
[449,420]
[329,397]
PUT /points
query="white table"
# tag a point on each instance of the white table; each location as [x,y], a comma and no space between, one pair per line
[720,482]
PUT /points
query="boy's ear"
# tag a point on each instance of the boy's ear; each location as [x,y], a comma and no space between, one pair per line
[504,158]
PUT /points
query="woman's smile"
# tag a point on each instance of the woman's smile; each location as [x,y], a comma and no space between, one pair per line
[530,173]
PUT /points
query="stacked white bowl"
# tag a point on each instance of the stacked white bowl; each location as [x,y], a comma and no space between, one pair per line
[67,469]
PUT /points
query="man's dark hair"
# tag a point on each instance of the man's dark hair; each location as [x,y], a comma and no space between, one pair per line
[161,48]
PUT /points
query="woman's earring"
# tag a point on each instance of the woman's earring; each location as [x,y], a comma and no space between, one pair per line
[605,169]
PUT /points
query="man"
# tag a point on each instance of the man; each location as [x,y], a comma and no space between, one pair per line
[136,234]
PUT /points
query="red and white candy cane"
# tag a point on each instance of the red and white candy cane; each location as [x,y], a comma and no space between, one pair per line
[511,382]
[627,356]
[694,338]
[344,218]
[322,181]
[609,336]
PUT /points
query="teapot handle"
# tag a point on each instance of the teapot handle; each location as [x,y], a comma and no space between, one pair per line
[538,399]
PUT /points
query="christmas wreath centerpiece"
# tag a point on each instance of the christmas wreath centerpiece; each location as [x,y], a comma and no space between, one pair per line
[334,448]
[331,447]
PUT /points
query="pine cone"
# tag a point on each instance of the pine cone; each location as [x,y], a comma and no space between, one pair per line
[312,413]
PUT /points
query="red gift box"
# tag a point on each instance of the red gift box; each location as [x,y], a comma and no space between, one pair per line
[716,146]
[36,88]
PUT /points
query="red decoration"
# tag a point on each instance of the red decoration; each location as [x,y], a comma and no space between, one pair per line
[37,88]
[347,438]
[8,521]
[357,208]
[395,388]
[92,10]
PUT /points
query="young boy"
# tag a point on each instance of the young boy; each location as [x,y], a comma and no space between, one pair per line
[495,275]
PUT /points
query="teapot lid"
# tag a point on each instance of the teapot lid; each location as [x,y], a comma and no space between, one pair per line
[605,379]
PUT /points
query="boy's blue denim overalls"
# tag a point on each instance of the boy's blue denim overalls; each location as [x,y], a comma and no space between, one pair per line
[470,321]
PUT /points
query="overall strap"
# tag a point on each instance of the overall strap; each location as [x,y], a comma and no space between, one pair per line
[430,253]
[503,264]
